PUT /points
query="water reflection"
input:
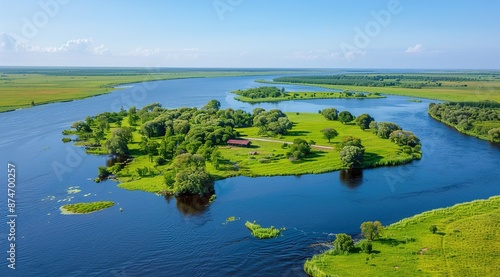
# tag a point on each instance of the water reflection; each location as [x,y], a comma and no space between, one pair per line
[118,159]
[190,204]
[351,178]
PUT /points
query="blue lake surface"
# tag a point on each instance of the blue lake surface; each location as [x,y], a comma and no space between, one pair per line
[156,236]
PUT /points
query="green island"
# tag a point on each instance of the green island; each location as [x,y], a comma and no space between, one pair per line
[27,87]
[479,119]
[86,208]
[274,94]
[261,232]
[182,151]
[461,240]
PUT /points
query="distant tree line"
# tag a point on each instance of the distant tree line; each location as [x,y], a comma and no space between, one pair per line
[377,80]
[480,119]
[262,92]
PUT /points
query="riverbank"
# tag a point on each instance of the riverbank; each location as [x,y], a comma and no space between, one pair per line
[465,244]
[308,96]
[28,87]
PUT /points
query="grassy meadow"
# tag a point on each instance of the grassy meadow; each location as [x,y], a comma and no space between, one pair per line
[481,87]
[467,243]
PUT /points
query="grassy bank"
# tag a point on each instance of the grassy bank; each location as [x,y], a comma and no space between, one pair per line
[469,87]
[23,87]
[85,208]
[465,244]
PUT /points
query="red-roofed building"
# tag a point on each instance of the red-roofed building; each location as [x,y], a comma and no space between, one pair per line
[239,142]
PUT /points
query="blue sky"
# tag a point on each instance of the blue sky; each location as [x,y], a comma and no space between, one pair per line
[252,33]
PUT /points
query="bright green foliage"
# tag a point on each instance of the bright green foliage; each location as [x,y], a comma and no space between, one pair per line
[298,150]
[364,120]
[85,208]
[365,246]
[401,138]
[262,233]
[352,156]
[350,141]
[371,229]
[383,129]
[330,113]
[494,134]
[329,133]
[191,176]
[272,123]
[343,243]
[345,117]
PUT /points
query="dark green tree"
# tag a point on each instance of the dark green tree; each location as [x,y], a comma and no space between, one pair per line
[433,229]
[345,117]
[364,120]
[401,138]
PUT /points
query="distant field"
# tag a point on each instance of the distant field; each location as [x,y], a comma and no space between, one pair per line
[19,87]
[465,244]
[439,86]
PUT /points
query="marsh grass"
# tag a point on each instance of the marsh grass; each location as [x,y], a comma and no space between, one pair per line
[263,233]
[85,208]
[466,244]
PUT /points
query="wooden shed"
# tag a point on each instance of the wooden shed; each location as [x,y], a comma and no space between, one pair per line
[239,142]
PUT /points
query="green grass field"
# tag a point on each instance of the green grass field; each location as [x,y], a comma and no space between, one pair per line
[482,87]
[467,243]
[18,90]
[270,158]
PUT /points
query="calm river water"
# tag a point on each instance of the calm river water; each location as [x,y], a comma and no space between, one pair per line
[155,236]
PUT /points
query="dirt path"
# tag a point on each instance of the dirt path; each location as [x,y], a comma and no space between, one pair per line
[280,141]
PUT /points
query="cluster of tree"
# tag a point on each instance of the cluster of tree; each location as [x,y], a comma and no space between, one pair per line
[352,152]
[387,80]
[188,175]
[262,92]
[371,230]
[271,123]
[333,114]
[299,150]
[475,118]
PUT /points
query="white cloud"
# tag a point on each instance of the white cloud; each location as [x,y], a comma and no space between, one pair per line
[415,49]
[9,43]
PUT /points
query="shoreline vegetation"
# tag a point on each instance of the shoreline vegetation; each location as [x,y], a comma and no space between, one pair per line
[85,208]
[184,150]
[274,94]
[25,87]
[457,241]
[261,232]
[456,86]
[477,119]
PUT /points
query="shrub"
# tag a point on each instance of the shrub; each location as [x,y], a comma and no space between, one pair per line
[365,246]
[343,243]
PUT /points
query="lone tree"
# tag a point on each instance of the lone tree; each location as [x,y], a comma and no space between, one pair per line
[371,229]
[433,229]
[343,243]
[329,133]
[345,117]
